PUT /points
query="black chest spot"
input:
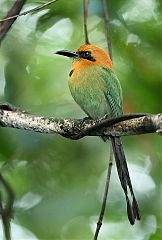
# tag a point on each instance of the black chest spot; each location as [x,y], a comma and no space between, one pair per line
[71,72]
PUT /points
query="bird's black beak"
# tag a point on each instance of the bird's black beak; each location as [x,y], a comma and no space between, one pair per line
[67,53]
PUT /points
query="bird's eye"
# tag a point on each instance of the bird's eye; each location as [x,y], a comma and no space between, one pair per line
[86,54]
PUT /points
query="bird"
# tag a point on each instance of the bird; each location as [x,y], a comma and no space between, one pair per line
[96,89]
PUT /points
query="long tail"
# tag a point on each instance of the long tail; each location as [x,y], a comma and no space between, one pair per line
[132,205]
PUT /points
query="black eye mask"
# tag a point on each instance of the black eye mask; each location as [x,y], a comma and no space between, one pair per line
[86,55]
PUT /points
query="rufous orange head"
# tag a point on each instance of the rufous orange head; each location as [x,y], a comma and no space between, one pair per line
[88,55]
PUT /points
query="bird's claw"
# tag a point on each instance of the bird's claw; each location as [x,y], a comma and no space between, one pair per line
[86,119]
[105,117]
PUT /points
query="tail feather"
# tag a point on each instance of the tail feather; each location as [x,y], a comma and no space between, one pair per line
[132,205]
[130,211]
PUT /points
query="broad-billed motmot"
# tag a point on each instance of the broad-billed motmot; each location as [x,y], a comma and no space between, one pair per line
[96,89]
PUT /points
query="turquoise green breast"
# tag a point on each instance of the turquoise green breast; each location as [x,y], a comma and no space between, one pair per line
[89,89]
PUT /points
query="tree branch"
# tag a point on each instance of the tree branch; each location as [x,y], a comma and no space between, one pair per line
[29,11]
[78,128]
[6,23]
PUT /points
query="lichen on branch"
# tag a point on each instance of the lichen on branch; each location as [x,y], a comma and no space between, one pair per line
[126,125]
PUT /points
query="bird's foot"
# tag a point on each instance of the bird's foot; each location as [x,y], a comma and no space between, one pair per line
[105,117]
[86,119]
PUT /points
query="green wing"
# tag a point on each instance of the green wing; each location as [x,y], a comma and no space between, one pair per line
[112,92]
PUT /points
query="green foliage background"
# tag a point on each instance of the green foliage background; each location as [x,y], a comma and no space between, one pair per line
[59,183]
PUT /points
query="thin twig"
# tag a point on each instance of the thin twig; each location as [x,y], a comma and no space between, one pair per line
[85,10]
[29,11]
[107,28]
[110,162]
[7,22]
[100,219]
[7,210]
